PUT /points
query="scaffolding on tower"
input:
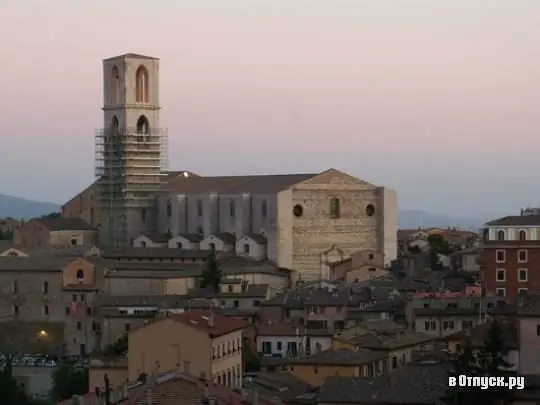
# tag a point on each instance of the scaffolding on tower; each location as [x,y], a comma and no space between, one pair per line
[130,165]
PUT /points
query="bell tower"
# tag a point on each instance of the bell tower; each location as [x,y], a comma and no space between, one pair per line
[130,149]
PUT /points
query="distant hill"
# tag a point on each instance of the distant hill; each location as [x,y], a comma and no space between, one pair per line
[20,208]
[16,207]
[410,219]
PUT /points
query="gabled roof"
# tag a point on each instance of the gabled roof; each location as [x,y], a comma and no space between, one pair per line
[130,56]
[64,224]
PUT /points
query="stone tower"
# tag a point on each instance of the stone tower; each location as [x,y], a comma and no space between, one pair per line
[130,149]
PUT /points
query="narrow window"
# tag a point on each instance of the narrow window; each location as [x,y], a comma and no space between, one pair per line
[141,85]
[334,208]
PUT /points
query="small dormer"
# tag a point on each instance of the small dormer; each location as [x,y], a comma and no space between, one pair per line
[186,242]
[151,240]
[220,242]
[12,252]
[252,245]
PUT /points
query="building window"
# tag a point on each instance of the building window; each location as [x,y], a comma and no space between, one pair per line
[236,303]
[246,249]
[15,310]
[448,325]
[127,327]
[83,298]
[179,245]
[522,291]
[14,287]
[45,310]
[501,275]
[280,346]
[231,209]
[67,311]
[212,246]
[230,288]
[335,208]
[522,235]
[143,243]
[264,208]
[500,235]
[143,215]
[522,256]
[80,275]
[74,298]
[522,275]
[169,209]
[79,325]
[501,292]
[73,242]
[199,208]
[500,256]
[45,287]
[256,303]
[89,311]
[141,85]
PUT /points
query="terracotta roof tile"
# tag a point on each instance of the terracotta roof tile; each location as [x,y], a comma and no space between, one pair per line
[201,321]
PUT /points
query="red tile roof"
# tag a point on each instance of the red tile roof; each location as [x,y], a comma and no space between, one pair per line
[213,324]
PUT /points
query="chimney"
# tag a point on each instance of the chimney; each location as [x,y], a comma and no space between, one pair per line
[211,319]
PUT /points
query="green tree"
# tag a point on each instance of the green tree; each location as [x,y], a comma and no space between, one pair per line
[252,363]
[118,348]
[465,363]
[492,362]
[12,392]
[435,261]
[211,275]
[69,381]
[438,243]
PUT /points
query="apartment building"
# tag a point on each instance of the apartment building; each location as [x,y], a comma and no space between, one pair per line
[510,254]
[200,343]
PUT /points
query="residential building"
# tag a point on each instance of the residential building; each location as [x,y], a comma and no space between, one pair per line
[510,255]
[200,343]
[55,232]
[361,266]
[280,339]
[466,260]
[384,336]
[443,316]
[316,368]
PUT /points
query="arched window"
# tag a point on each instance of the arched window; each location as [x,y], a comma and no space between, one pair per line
[500,235]
[522,235]
[143,127]
[115,86]
[115,125]
[80,274]
[141,85]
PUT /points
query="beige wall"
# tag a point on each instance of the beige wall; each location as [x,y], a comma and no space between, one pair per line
[115,369]
[440,330]
[316,233]
[86,238]
[364,272]
[134,286]
[179,286]
[83,206]
[529,345]
[176,345]
[227,368]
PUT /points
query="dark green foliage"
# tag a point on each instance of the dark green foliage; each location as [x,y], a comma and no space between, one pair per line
[434,260]
[489,361]
[118,348]
[463,364]
[52,215]
[69,381]
[438,243]
[211,276]
[11,391]
[6,235]
[251,361]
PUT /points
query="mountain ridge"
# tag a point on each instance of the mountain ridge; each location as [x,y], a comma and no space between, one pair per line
[22,208]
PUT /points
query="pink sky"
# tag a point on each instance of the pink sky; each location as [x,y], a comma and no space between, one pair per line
[438,99]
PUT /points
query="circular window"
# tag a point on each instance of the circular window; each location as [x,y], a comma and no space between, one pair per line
[298,210]
[370,210]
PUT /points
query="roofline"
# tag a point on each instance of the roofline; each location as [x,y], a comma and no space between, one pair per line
[130,56]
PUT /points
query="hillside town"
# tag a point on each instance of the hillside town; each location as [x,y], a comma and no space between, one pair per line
[164,287]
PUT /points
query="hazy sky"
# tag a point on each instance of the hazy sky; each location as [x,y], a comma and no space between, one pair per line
[437,99]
